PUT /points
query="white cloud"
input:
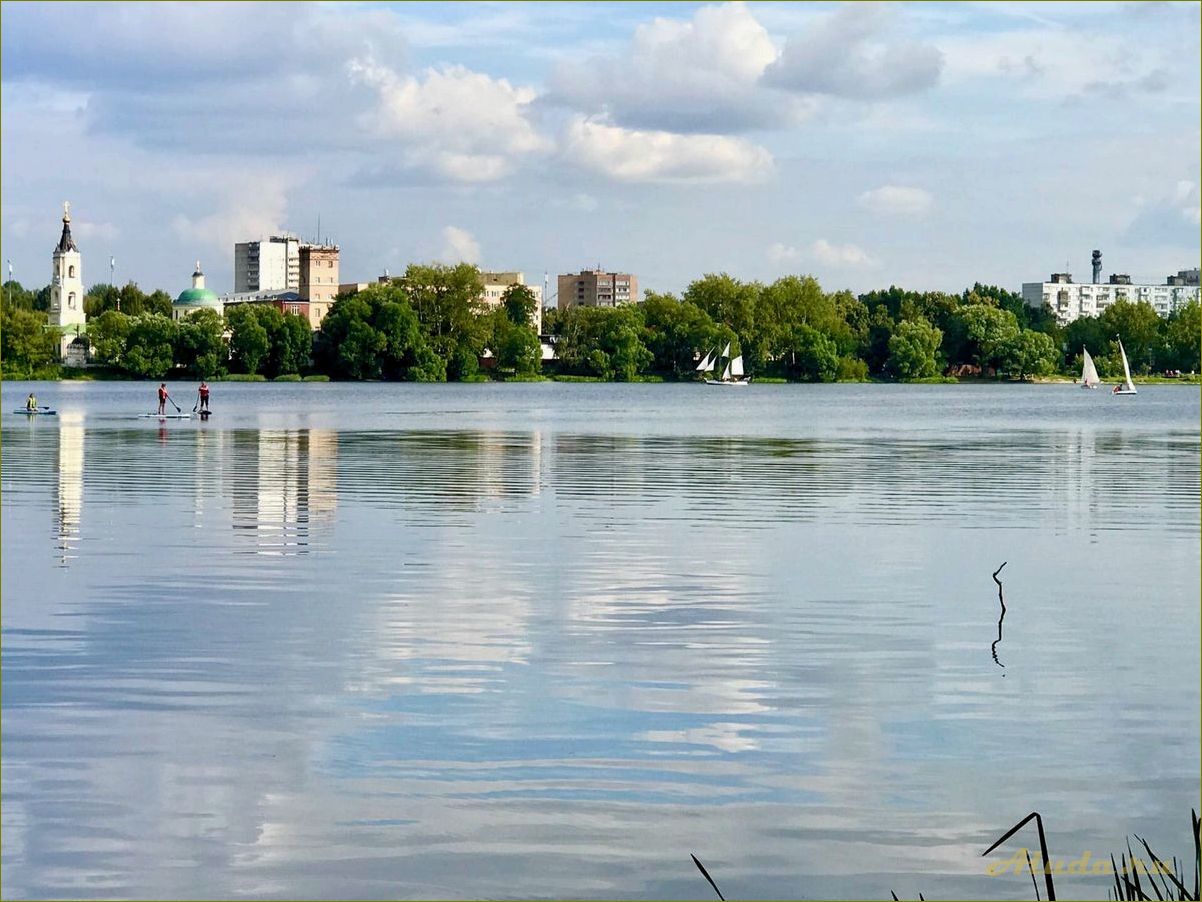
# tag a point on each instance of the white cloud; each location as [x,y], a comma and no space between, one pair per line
[459,246]
[630,155]
[849,54]
[783,253]
[462,124]
[253,206]
[88,230]
[896,200]
[849,255]
[1186,197]
[700,75]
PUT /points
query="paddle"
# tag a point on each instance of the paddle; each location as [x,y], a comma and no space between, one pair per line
[197,404]
[173,404]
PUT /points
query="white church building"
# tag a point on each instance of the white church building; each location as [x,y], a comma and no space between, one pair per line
[66,297]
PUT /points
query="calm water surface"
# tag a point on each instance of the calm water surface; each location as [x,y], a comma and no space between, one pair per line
[547,640]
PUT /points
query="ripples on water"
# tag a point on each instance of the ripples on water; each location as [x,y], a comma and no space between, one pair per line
[531,656]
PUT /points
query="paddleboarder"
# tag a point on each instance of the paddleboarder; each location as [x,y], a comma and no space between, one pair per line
[163,396]
[203,391]
[31,403]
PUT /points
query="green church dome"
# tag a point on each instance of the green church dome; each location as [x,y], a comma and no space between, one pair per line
[197,297]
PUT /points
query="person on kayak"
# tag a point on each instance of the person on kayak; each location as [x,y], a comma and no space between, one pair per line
[204,395]
[162,398]
[31,403]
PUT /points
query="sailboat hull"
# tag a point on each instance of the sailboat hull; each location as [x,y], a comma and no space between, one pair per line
[1125,391]
[728,382]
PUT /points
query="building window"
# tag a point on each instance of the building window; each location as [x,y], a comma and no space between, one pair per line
[71,298]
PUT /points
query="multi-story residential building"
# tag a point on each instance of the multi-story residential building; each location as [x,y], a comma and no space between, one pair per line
[597,288]
[1070,300]
[269,265]
[493,286]
[318,279]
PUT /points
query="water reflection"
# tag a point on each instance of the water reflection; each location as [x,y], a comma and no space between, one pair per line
[282,484]
[70,484]
[547,662]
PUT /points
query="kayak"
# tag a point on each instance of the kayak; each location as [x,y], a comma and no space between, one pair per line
[36,413]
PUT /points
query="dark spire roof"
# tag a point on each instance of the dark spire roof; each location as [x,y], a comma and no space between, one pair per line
[66,243]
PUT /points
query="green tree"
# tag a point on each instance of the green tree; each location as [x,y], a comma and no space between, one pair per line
[249,341]
[729,302]
[980,334]
[1028,353]
[200,344]
[18,297]
[376,334]
[1138,326]
[109,335]
[447,302]
[26,344]
[1182,337]
[150,347]
[676,331]
[913,350]
[520,305]
[515,346]
[813,355]
[605,342]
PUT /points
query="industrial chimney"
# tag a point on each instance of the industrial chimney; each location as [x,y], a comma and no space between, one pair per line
[1097,267]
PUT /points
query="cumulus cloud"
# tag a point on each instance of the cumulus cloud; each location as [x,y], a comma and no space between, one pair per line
[783,253]
[896,200]
[631,155]
[843,255]
[849,53]
[465,125]
[700,75]
[1173,218]
[458,246]
[252,206]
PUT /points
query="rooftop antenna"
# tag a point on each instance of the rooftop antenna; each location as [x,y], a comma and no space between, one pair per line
[319,228]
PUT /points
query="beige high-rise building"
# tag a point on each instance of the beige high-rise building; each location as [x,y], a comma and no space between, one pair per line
[597,288]
[318,279]
[493,286]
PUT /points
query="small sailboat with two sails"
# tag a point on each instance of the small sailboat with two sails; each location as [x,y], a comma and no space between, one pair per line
[732,373]
[1128,387]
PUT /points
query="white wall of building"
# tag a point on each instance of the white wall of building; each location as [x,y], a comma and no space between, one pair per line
[269,265]
[1071,300]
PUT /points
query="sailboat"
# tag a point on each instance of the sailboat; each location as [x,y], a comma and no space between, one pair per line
[1128,387]
[1089,372]
[732,374]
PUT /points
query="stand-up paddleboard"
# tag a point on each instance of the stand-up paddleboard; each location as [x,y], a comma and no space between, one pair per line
[166,416]
[205,414]
[37,413]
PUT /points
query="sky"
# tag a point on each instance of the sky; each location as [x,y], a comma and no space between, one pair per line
[928,146]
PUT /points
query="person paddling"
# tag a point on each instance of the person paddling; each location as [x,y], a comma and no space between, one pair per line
[163,396]
[31,403]
[203,391]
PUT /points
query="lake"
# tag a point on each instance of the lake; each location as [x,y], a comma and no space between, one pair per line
[548,640]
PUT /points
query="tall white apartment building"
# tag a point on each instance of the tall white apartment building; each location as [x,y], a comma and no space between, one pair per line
[272,264]
[1070,300]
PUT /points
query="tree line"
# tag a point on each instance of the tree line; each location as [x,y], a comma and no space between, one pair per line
[430,325]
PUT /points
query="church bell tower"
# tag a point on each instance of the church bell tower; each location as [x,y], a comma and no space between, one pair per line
[66,288]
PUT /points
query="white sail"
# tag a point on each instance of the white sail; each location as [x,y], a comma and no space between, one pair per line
[726,350]
[726,373]
[1129,386]
[706,365]
[1089,372]
[736,366]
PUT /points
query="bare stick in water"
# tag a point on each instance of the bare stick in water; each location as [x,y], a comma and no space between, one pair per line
[1002,602]
[706,875]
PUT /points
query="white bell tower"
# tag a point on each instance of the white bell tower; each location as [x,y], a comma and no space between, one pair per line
[66,287]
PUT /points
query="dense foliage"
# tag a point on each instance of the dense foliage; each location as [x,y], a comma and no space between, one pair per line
[431,325]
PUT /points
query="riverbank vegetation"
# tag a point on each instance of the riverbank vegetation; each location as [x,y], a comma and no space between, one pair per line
[429,325]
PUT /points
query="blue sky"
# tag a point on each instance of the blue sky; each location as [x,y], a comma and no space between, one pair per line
[924,145]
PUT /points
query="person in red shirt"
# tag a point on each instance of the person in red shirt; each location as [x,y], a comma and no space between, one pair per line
[203,391]
[163,398]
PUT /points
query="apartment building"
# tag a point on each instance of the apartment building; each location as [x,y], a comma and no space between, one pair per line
[597,288]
